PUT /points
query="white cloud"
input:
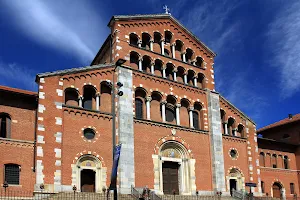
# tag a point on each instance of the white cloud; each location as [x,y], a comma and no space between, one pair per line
[14,75]
[69,26]
[283,41]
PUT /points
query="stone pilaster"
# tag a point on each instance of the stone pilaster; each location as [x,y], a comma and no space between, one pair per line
[218,174]
[126,133]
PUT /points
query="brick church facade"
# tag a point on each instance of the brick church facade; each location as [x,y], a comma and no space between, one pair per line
[178,134]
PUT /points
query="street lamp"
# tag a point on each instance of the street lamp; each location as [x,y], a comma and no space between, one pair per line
[113,111]
[5,185]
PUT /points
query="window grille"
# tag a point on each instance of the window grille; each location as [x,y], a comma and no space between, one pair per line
[292,188]
[139,108]
[12,174]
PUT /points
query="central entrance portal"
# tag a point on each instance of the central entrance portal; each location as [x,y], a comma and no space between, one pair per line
[88,180]
[170,177]
[232,183]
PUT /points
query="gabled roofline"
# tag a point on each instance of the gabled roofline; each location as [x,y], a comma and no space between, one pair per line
[73,70]
[101,48]
[159,16]
[238,110]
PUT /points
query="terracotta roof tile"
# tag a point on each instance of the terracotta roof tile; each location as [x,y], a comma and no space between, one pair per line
[281,122]
[16,90]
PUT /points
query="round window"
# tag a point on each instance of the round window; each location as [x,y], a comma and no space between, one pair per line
[233,153]
[89,133]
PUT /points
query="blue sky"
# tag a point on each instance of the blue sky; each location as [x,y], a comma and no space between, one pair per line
[257,43]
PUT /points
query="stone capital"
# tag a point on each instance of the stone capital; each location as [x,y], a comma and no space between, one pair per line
[178,105]
[163,102]
[139,42]
[175,70]
[98,94]
[148,98]
[225,122]
[152,40]
[191,108]
[80,97]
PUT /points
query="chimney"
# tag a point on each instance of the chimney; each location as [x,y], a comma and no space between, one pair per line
[290,116]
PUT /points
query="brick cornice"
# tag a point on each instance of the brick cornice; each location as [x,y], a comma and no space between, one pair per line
[279,170]
[83,111]
[16,143]
[166,125]
[234,139]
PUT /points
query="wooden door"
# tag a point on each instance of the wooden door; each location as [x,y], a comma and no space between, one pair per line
[170,177]
[276,191]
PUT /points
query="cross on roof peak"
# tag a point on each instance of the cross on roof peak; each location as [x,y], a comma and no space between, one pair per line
[167,10]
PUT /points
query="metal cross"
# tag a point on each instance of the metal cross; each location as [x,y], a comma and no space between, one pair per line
[165,7]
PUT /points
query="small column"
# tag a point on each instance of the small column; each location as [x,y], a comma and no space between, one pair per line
[226,128]
[178,113]
[193,62]
[174,74]
[195,81]
[234,131]
[140,64]
[148,100]
[164,72]
[152,68]
[191,116]
[183,57]
[162,46]
[173,50]
[185,78]
[97,100]
[140,43]
[163,110]
[80,101]
[151,45]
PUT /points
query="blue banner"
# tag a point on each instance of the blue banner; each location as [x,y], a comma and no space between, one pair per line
[114,171]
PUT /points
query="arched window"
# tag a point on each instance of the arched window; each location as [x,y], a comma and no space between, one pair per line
[240,131]
[189,55]
[190,77]
[133,39]
[184,112]
[89,97]
[262,185]
[197,116]
[199,62]
[196,120]
[170,109]
[201,81]
[292,188]
[146,64]
[146,41]
[139,109]
[157,42]
[105,97]
[167,52]
[168,37]
[169,71]
[158,67]
[231,126]
[274,161]
[178,49]
[180,74]
[71,97]
[286,162]
[262,159]
[140,95]
[222,113]
[5,125]
[12,174]
[134,60]
[155,106]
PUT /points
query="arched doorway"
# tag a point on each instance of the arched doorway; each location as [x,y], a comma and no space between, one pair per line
[88,174]
[88,181]
[235,180]
[277,190]
[176,169]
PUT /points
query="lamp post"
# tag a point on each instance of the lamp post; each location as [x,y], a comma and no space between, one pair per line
[113,112]
[5,185]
